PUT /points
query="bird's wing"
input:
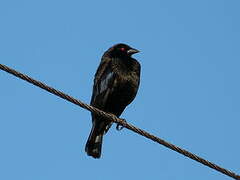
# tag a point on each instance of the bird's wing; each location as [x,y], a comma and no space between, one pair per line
[103,84]
[102,90]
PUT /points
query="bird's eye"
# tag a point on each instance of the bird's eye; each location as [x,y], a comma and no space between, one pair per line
[122,49]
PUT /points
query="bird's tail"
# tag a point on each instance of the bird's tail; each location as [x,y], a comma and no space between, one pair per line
[94,143]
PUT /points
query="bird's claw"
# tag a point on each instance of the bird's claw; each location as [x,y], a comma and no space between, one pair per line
[119,127]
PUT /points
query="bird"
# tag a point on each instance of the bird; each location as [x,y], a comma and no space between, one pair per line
[116,83]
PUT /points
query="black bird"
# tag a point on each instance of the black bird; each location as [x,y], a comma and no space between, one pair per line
[115,86]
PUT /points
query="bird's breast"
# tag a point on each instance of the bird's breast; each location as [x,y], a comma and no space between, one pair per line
[126,87]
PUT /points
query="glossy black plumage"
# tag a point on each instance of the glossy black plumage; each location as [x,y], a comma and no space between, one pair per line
[115,86]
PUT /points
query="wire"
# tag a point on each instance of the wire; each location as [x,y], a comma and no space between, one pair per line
[120,121]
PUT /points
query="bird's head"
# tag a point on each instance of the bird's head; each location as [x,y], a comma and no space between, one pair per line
[122,50]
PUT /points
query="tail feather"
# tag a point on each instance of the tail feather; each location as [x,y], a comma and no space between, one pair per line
[94,144]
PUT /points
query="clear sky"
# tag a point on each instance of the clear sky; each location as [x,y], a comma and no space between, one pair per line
[189,92]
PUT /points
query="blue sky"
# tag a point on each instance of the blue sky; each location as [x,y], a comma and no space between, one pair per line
[189,92]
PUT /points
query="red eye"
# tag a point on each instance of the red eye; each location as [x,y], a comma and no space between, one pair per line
[122,49]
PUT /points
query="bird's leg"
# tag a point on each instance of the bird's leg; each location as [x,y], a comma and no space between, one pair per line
[119,127]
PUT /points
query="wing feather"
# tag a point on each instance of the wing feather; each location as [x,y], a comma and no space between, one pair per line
[103,84]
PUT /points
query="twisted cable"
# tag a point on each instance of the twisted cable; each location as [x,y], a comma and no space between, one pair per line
[120,121]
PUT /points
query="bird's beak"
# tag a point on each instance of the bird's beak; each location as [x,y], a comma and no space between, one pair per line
[132,51]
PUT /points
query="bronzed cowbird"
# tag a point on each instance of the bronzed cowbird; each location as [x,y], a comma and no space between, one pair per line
[115,86]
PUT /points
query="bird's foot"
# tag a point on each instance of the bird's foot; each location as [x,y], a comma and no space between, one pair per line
[119,127]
